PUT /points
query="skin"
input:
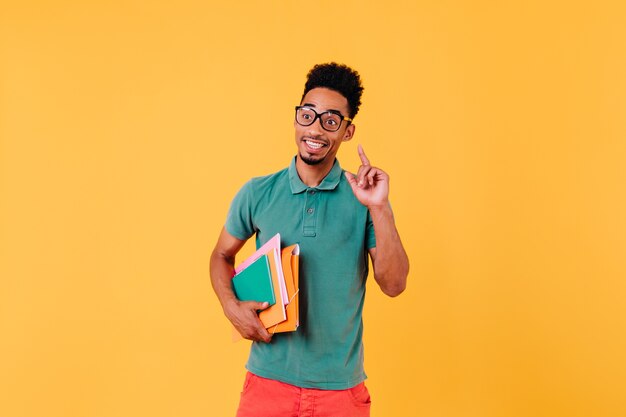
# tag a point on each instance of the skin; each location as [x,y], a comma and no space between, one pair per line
[370,185]
[320,99]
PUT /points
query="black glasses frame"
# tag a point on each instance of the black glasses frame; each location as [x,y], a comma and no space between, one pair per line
[319,116]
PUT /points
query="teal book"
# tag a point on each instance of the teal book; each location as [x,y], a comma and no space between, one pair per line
[255,282]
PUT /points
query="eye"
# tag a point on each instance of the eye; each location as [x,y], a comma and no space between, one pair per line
[306,113]
[331,120]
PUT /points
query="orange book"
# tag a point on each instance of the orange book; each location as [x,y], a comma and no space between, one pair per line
[290,260]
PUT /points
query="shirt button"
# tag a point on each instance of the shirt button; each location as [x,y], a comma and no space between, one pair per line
[311,192]
[310,211]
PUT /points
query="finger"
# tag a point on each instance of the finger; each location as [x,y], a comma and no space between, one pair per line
[261,306]
[261,333]
[255,306]
[257,331]
[372,175]
[361,176]
[364,159]
[257,334]
[264,335]
[351,180]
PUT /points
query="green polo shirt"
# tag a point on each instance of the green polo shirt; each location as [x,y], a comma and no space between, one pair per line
[334,232]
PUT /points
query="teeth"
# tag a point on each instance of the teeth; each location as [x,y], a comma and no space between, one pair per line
[314,145]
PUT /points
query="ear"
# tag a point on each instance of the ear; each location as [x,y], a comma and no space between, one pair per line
[349,133]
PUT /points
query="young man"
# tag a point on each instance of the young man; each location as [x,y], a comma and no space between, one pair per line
[337,218]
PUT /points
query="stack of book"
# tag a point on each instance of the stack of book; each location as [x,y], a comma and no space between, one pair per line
[271,274]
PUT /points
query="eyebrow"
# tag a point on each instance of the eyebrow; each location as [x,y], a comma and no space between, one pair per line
[327,110]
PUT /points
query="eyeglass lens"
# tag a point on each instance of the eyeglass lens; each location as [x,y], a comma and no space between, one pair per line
[306,116]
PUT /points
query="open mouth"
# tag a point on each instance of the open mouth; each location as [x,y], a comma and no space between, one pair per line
[314,144]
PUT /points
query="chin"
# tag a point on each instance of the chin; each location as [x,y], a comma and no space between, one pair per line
[310,161]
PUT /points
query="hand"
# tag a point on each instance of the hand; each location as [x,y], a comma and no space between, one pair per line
[371,184]
[243,315]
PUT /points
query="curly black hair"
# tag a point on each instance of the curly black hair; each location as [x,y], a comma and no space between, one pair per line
[338,77]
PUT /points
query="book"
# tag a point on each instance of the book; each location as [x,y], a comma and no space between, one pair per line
[276,313]
[290,263]
[283,266]
[254,283]
[271,248]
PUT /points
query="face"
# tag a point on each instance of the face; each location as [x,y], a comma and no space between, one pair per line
[316,145]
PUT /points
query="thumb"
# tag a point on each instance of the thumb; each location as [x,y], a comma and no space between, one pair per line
[351,180]
[261,306]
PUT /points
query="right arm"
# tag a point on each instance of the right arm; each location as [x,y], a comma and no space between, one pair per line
[242,314]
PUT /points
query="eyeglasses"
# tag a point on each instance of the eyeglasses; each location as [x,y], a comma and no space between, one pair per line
[330,120]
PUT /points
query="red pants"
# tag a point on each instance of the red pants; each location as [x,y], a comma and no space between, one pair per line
[263,397]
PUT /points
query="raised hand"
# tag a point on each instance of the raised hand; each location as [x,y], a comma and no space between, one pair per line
[371,184]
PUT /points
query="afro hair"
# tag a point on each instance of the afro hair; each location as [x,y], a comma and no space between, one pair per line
[337,77]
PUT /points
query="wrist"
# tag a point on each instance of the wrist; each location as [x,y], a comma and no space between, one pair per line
[381,208]
[229,305]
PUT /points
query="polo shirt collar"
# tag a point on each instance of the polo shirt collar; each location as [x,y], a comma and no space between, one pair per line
[330,181]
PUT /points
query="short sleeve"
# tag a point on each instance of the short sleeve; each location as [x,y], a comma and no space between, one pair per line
[370,237]
[239,220]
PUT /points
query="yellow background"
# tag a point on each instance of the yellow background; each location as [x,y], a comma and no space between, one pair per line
[126,128]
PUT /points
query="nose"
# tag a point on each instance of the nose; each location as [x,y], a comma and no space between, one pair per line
[315,129]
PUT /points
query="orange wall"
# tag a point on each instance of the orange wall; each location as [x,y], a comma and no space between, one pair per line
[127,127]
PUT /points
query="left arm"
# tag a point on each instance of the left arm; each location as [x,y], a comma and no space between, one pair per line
[391,263]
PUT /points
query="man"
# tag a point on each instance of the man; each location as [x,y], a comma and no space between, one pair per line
[337,218]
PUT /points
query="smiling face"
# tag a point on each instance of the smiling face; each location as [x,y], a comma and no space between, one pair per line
[317,146]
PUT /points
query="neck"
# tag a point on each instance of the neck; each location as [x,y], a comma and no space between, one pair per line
[312,175]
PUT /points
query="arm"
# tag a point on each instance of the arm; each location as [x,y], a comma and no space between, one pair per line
[242,314]
[391,263]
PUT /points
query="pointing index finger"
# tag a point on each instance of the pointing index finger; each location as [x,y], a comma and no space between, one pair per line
[364,159]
